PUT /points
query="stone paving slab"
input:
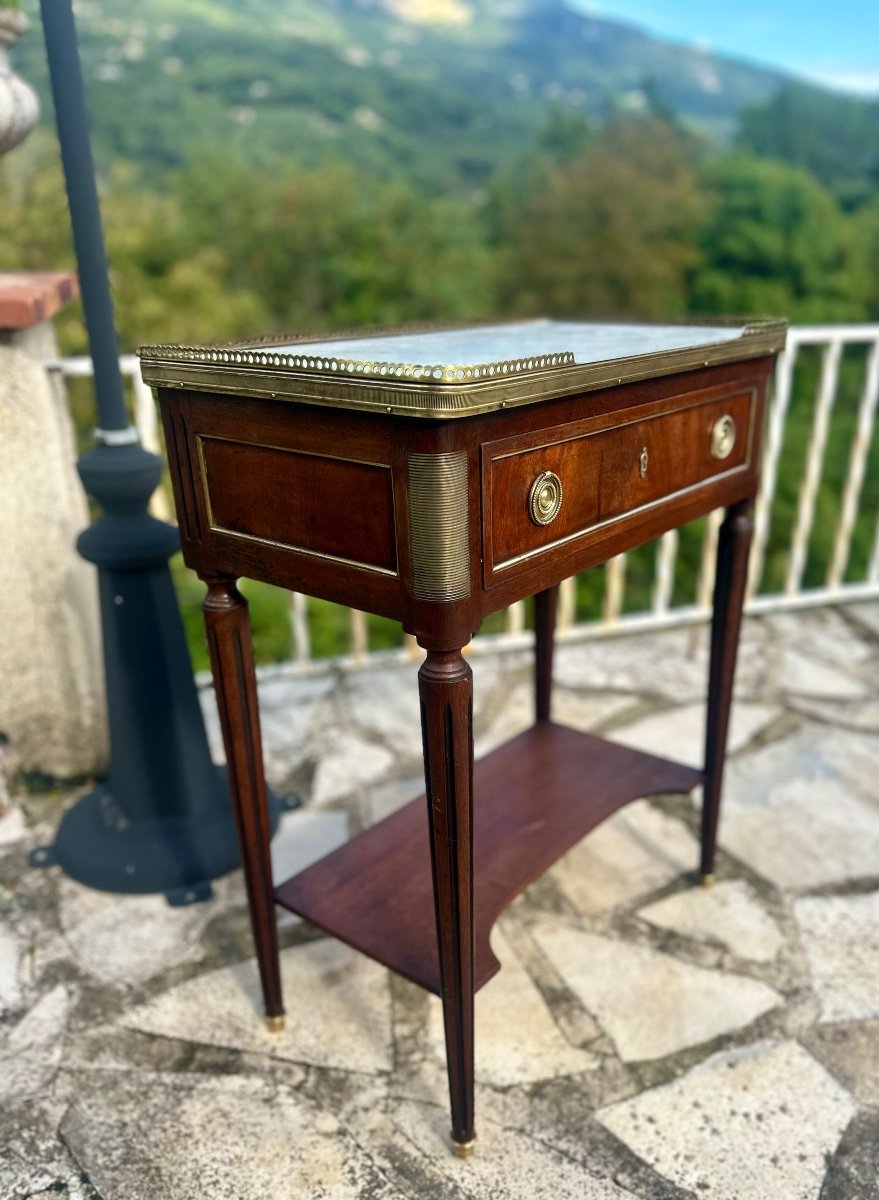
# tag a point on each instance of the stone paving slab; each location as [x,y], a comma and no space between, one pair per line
[652,1004]
[12,823]
[98,929]
[635,852]
[33,1049]
[243,1138]
[850,1051]
[519,1042]
[748,1124]
[340,1009]
[841,938]
[866,614]
[679,733]
[730,914]
[644,1039]
[511,1164]
[587,713]
[792,813]
[10,984]
[302,838]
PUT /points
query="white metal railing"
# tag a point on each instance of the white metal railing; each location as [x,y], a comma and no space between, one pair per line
[833,343]
[144,414]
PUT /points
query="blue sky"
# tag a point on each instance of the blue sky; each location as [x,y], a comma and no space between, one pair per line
[835,43]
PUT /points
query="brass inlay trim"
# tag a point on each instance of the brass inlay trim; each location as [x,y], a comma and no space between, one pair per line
[545,498]
[434,374]
[463,1149]
[237,441]
[439,521]
[430,391]
[336,558]
[746,391]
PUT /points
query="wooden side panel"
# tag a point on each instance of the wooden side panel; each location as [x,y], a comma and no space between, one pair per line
[297,497]
[308,502]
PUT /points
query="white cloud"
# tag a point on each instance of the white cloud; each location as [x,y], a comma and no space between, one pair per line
[846,77]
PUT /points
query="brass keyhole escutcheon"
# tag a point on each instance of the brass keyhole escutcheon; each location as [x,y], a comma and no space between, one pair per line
[723,437]
[545,498]
[642,462]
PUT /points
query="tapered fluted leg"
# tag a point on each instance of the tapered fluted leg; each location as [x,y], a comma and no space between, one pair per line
[729,596]
[545,604]
[231,651]
[446,689]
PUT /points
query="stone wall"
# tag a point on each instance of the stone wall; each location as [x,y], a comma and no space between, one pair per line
[51,682]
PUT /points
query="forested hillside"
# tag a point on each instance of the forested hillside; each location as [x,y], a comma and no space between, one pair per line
[445,92]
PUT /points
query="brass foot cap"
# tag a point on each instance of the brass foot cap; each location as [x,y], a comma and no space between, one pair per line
[707,881]
[276,1024]
[463,1149]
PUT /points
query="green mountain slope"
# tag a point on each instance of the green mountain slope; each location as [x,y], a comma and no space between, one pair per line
[373,81]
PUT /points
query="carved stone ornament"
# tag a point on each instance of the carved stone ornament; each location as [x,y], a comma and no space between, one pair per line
[19,107]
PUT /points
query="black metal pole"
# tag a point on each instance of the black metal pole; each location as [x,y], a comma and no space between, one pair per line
[161,821]
[71,119]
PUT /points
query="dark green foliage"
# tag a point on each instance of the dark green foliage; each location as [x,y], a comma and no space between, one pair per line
[834,137]
[585,238]
[775,241]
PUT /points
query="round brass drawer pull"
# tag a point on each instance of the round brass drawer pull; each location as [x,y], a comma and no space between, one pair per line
[723,437]
[545,498]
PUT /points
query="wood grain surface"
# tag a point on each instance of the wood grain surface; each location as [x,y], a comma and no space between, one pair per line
[533,799]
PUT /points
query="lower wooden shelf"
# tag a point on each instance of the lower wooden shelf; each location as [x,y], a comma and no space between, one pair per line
[533,799]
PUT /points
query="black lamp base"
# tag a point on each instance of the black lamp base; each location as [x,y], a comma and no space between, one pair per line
[178,856]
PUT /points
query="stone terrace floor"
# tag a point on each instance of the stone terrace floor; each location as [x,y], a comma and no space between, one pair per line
[645,1037]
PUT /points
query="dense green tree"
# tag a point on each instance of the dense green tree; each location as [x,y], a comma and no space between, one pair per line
[830,135]
[865,235]
[609,233]
[774,241]
[333,247]
[165,287]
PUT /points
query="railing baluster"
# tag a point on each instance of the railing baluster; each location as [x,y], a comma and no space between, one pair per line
[359,635]
[708,562]
[145,419]
[413,650]
[147,425]
[515,617]
[814,465]
[784,374]
[614,588]
[666,557]
[856,470]
[873,568]
[299,627]
[567,604]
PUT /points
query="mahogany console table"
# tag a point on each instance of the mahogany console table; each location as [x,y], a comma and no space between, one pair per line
[435,477]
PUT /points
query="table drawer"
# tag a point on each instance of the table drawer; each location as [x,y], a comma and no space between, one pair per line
[540,496]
